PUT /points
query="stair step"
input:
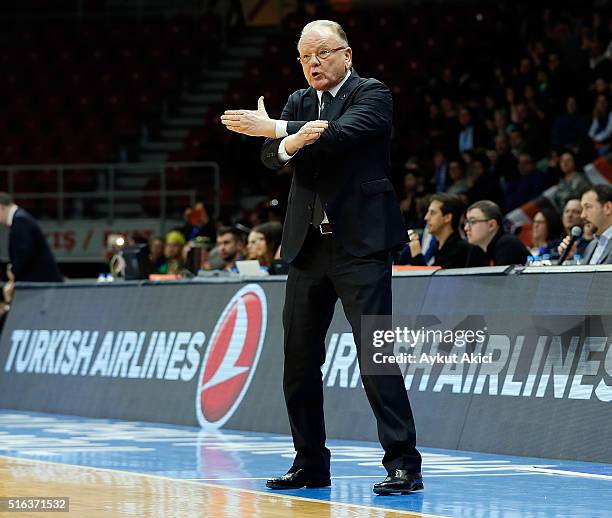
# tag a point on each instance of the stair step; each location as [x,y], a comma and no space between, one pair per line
[196,110]
[161,146]
[201,96]
[129,183]
[153,157]
[229,75]
[184,122]
[252,41]
[121,208]
[174,134]
[231,64]
[245,52]
[211,87]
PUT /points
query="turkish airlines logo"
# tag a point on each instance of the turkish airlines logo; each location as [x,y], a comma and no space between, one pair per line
[232,356]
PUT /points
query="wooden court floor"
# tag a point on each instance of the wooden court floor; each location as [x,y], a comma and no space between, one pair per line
[105,493]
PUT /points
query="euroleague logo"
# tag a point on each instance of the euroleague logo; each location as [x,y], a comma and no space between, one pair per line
[232,356]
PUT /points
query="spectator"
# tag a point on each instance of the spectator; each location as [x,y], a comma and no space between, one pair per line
[196,255]
[483,227]
[505,164]
[264,241]
[601,127]
[502,123]
[436,126]
[570,130]
[571,218]
[526,186]
[409,203]
[173,253]
[156,252]
[484,183]
[440,177]
[557,81]
[546,232]
[573,183]
[198,223]
[31,259]
[459,184]
[517,142]
[470,136]
[443,217]
[230,246]
[597,210]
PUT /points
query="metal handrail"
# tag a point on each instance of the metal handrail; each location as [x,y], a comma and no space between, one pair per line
[111,170]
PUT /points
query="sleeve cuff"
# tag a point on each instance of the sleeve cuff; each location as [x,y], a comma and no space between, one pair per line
[283,156]
[281,129]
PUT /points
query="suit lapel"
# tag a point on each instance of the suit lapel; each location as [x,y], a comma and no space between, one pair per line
[311,100]
[311,105]
[590,250]
[606,253]
[337,107]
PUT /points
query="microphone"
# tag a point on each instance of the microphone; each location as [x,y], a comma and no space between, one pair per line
[575,234]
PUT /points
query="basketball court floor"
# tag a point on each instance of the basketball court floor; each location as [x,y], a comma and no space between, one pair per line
[116,468]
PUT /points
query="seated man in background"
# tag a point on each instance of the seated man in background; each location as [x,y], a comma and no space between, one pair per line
[30,256]
[483,227]
[443,217]
[230,246]
[597,211]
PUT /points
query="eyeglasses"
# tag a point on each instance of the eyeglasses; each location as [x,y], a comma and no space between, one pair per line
[321,55]
[472,222]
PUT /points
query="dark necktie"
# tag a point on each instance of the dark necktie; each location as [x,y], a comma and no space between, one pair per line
[317,208]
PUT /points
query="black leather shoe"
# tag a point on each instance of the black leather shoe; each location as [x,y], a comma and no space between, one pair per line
[297,479]
[399,481]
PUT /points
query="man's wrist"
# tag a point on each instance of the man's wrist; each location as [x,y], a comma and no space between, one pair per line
[292,144]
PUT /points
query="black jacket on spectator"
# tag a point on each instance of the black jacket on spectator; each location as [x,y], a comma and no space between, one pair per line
[506,249]
[455,253]
[29,253]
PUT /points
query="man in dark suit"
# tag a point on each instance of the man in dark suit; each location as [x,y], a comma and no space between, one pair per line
[29,254]
[343,219]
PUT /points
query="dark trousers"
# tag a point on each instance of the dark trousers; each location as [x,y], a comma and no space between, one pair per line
[322,273]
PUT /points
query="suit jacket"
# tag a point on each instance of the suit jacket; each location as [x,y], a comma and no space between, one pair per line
[606,257]
[29,253]
[348,167]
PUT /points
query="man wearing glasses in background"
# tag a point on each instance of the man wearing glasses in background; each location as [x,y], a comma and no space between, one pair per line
[343,219]
[483,228]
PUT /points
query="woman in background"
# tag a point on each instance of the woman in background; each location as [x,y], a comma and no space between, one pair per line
[264,241]
[546,230]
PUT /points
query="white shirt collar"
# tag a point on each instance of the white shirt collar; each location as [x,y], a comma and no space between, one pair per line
[336,88]
[11,215]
